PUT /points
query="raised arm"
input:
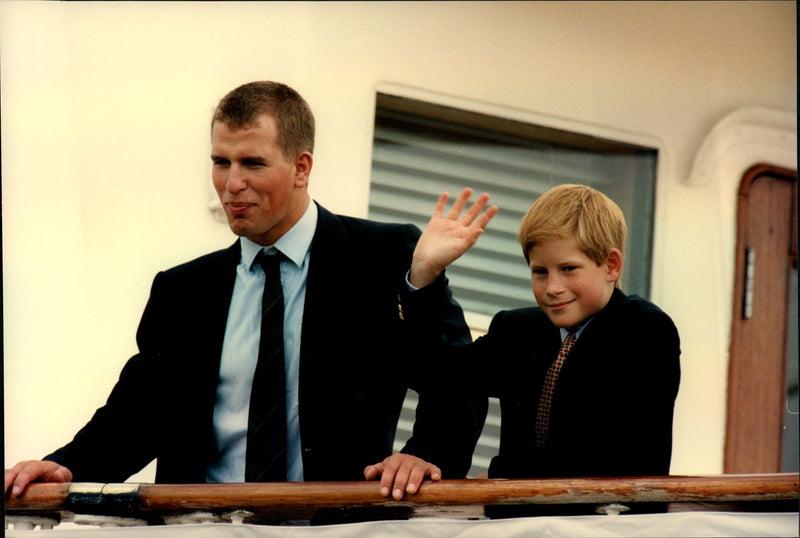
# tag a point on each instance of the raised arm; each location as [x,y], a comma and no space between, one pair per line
[447,237]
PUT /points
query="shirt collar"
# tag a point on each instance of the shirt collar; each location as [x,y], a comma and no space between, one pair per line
[565,332]
[294,244]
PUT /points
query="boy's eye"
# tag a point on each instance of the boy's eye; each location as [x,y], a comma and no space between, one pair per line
[539,271]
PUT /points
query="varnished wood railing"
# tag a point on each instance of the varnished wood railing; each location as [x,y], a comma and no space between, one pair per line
[317,500]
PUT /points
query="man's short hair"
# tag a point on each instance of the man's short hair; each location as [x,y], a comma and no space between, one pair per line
[293,117]
[576,212]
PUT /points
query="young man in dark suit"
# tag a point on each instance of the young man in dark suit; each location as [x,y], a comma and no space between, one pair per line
[587,380]
[185,398]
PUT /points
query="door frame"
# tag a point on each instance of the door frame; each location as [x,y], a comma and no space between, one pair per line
[753,441]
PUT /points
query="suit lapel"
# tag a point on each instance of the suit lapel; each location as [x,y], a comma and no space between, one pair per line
[212,318]
[222,276]
[595,338]
[326,276]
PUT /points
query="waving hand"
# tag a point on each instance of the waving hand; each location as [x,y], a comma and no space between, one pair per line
[447,237]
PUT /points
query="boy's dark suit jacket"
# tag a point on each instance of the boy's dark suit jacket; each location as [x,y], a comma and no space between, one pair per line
[612,408]
[352,353]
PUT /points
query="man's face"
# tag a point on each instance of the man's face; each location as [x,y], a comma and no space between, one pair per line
[568,285]
[262,192]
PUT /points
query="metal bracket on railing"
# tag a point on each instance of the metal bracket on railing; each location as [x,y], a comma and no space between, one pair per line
[613,509]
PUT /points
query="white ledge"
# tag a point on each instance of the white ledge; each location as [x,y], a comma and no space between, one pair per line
[742,139]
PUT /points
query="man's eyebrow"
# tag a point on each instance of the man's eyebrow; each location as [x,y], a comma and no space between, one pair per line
[251,158]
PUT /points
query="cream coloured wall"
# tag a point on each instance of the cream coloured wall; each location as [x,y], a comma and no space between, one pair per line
[105,112]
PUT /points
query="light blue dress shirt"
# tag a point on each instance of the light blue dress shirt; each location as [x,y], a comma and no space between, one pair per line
[240,350]
[565,332]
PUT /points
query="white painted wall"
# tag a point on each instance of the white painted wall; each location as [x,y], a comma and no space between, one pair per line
[105,123]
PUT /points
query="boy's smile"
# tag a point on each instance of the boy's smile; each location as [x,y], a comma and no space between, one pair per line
[568,285]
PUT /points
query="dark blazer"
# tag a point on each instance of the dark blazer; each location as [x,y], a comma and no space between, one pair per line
[612,408]
[351,360]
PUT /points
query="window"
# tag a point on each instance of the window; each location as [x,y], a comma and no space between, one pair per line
[423,148]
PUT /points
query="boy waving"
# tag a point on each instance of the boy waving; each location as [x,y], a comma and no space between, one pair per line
[587,379]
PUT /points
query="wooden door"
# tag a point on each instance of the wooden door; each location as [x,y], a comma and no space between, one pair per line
[766,253]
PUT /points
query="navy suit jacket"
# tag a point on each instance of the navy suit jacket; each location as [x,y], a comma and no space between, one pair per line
[612,409]
[353,353]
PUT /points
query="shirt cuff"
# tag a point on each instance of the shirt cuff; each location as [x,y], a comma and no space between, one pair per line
[409,285]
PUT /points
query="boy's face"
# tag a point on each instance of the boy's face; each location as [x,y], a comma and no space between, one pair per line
[568,285]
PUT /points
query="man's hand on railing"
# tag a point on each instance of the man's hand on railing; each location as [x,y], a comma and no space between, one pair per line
[401,474]
[29,471]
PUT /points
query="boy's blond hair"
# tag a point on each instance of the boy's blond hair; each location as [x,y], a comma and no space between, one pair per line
[576,212]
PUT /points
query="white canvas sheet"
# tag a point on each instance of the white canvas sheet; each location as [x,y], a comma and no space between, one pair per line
[640,525]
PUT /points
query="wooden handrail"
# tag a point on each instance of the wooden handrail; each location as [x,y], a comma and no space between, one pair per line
[309,500]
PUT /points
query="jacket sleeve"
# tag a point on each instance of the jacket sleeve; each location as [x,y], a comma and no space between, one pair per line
[117,441]
[645,421]
[448,423]
[641,386]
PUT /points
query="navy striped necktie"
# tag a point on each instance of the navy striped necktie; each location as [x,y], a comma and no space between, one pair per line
[266,426]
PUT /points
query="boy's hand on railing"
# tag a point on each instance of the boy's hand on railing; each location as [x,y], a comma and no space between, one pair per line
[29,471]
[401,474]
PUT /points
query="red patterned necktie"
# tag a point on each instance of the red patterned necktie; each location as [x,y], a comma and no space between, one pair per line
[546,398]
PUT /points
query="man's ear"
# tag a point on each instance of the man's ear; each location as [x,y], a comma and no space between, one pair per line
[302,168]
[614,265]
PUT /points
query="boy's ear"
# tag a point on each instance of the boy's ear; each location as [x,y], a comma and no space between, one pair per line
[614,265]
